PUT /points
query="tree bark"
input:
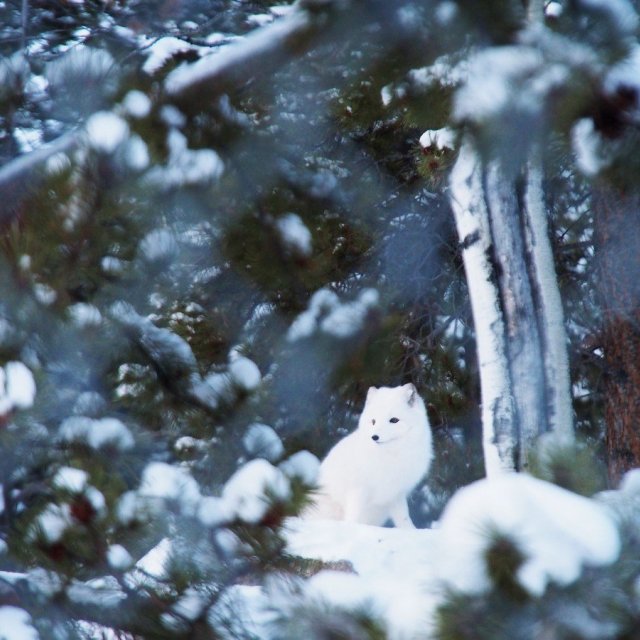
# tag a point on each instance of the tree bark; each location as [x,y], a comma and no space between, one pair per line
[500,436]
[524,346]
[617,238]
[516,305]
[548,303]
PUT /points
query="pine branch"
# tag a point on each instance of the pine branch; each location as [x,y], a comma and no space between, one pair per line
[22,177]
[262,51]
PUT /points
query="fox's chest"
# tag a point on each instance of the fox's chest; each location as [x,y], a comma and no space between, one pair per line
[391,468]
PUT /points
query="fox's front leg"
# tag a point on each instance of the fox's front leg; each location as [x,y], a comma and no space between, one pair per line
[355,507]
[399,513]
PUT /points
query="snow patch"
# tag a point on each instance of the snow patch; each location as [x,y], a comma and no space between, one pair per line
[162,50]
[245,492]
[97,433]
[51,523]
[159,246]
[553,10]
[261,441]
[587,147]
[186,167]
[302,465]
[214,512]
[441,139]
[84,315]
[137,104]
[169,482]
[539,518]
[253,46]
[294,235]
[17,387]
[71,479]
[393,567]
[106,131]
[331,316]
[119,558]
[504,79]
[15,624]
[244,372]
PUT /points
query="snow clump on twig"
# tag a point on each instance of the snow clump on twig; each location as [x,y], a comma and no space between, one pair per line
[17,387]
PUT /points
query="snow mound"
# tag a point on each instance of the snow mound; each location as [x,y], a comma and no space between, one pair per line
[539,518]
[393,570]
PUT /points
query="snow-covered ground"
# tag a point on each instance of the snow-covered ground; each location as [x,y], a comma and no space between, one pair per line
[400,576]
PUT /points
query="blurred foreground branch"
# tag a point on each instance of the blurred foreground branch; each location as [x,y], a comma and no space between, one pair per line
[263,50]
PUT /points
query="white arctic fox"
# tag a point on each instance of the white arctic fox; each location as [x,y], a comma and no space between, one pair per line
[367,476]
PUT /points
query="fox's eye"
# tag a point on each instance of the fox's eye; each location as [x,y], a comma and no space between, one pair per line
[394,420]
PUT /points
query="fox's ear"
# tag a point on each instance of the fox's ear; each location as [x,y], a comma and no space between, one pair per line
[371,392]
[411,393]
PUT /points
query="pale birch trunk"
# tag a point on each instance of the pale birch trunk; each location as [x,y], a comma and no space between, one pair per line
[516,305]
[524,345]
[500,438]
[548,303]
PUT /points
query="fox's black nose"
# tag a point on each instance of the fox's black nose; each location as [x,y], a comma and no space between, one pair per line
[375,438]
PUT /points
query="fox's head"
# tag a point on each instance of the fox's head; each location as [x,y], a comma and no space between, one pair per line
[391,413]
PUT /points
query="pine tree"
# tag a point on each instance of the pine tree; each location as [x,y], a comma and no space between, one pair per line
[234,232]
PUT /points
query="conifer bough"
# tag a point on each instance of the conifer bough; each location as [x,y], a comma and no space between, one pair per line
[263,50]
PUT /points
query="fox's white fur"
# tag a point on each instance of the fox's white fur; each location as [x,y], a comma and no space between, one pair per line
[367,476]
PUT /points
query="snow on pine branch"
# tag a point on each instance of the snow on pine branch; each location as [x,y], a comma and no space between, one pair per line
[237,61]
[17,388]
[266,48]
[329,315]
[176,365]
[506,80]
[246,496]
[557,532]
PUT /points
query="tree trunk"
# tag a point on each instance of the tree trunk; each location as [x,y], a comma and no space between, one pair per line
[500,436]
[548,303]
[617,227]
[524,345]
[516,305]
